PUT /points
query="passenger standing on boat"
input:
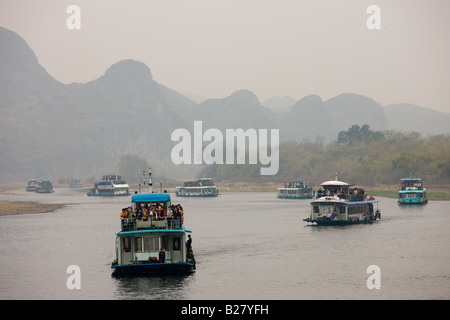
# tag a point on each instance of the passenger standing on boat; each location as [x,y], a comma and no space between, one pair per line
[124,213]
[152,213]
[130,213]
[189,244]
[145,214]
[138,213]
[162,255]
[123,217]
[161,212]
[180,210]
[169,216]
[176,216]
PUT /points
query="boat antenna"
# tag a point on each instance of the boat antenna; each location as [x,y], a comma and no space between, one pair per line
[150,183]
[337,175]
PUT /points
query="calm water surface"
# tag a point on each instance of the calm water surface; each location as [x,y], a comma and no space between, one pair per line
[247,246]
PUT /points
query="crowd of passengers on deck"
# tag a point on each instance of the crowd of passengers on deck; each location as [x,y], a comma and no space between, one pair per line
[152,213]
[415,184]
[338,192]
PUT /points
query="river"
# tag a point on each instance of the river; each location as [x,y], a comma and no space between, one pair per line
[248,245]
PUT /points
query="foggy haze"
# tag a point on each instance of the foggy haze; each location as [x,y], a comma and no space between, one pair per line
[272,48]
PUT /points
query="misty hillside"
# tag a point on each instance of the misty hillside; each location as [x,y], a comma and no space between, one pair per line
[409,117]
[51,130]
[242,109]
[279,104]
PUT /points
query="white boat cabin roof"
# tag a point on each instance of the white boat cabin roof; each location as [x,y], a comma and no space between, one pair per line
[335,183]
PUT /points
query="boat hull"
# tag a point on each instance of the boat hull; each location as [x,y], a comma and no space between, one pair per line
[153,269]
[295,197]
[326,222]
[412,203]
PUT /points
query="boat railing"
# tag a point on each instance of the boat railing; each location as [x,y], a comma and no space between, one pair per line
[150,224]
[347,197]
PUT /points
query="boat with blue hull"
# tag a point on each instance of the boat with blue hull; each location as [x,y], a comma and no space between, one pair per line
[340,203]
[296,189]
[150,243]
[412,192]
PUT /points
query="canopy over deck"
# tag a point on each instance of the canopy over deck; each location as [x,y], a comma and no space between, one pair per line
[150,197]
[335,183]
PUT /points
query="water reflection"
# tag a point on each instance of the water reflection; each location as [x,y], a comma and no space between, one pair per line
[153,288]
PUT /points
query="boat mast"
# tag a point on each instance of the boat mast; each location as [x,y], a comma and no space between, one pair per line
[150,182]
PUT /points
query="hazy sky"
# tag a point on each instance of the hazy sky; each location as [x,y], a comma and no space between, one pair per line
[272,47]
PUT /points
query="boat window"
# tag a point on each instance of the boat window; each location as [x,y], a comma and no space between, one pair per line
[151,244]
[138,244]
[341,209]
[316,209]
[176,244]
[126,245]
[164,242]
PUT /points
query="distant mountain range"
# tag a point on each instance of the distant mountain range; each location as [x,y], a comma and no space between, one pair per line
[49,129]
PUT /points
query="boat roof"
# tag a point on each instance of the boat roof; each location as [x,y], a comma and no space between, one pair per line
[335,183]
[150,197]
[349,203]
[182,230]
[411,179]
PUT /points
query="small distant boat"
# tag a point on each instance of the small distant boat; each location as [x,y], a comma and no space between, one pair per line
[32,185]
[153,244]
[342,203]
[203,187]
[296,189]
[45,186]
[110,185]
[75,183]
[412,191]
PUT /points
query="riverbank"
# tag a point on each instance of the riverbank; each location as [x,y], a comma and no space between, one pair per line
[27,207]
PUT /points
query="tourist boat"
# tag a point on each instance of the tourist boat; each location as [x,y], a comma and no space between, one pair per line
[412,191]
[296,189]
[110,185]
[140,241]
[32,185]
[75,183]
[342,203]
[45,186]
[203,187]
